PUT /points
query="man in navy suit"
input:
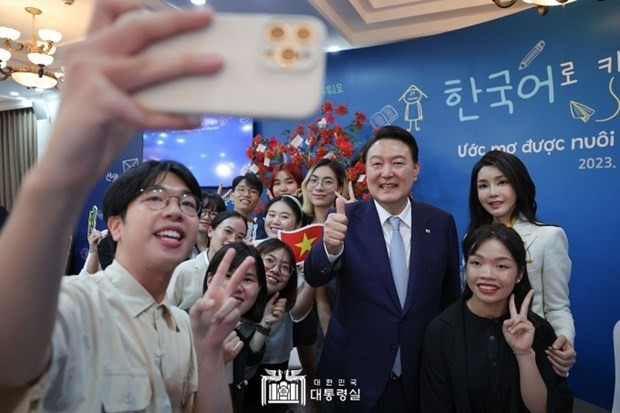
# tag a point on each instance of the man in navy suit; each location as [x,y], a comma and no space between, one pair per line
[372,338]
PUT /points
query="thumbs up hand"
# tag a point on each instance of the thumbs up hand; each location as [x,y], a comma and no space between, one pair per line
[335,229]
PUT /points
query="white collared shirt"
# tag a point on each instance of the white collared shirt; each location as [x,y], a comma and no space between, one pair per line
[405,230]
[114,348]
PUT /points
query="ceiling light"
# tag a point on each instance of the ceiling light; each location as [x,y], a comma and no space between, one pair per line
[39,54]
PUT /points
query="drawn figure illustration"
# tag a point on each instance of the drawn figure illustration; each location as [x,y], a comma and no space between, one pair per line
[413,107]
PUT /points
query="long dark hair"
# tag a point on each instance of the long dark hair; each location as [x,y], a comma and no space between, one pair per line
[514,244]
[515,171]
[242,251]
[290,290]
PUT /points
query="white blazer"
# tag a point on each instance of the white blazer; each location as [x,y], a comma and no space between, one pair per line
[549,270]
[185,287]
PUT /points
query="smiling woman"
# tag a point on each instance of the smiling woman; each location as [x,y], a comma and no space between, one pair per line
[486,352]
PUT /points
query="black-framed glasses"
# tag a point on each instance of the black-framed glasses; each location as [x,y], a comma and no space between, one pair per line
[269,261]
[207,213]
[157,198]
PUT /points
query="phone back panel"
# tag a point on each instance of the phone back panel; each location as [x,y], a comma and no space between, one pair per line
[274,67]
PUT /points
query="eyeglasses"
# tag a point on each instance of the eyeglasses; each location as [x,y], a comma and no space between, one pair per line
[250,191]
[207,213]
[157,198]
[285,269]
[327,183]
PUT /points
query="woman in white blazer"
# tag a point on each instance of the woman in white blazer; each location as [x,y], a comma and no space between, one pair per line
[501,190]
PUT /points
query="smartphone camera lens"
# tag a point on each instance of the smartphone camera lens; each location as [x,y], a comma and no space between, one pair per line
[304,33]
[276,32]
[287,55]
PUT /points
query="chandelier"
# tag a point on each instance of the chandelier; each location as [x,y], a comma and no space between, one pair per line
[39,54]
[542,6]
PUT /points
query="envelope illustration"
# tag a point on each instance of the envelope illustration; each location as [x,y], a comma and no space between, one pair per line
[130,163]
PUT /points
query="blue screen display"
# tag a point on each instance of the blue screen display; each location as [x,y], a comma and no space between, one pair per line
[215,151]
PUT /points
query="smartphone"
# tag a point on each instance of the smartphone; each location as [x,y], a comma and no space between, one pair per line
[274,68]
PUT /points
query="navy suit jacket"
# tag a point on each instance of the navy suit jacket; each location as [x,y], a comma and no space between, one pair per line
[368,323]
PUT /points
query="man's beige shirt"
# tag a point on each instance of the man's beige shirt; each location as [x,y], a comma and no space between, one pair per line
[115,349]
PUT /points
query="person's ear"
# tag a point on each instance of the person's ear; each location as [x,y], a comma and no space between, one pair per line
[209,278]
[114,227]
[416,171]
[519,277]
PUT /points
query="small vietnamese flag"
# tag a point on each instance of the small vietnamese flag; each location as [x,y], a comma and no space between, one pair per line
[301,240]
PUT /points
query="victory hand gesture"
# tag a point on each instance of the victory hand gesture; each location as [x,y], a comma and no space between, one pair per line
[215,315]
[518,330]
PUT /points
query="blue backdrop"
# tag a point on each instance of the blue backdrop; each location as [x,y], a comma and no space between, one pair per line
[545,88]
[131,156]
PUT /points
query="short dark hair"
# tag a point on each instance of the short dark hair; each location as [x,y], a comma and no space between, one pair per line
[213,202]
[396,133]
[224,215]
[127,186]
[518,176]
[242,251]
[252,180]
[290,290]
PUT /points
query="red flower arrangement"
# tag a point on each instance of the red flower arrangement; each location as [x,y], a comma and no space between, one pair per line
[306,145]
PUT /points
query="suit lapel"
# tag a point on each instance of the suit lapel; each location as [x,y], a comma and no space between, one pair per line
[528,235]
[368,229]
[420,233]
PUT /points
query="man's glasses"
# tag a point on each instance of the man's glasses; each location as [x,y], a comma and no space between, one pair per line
[285,269]
[157,198]
[242,190]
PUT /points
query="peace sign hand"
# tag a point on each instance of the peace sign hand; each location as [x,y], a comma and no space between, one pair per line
[215,314]
[518,330]
[351,194]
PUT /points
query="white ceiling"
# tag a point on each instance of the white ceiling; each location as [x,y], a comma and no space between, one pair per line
[352,23]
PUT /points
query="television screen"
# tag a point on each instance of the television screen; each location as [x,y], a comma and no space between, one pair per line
[215,151]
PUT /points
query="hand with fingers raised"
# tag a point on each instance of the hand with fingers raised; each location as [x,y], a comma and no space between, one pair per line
[518,330]
[215,314]
[226,195]
[102,73]
[351,194]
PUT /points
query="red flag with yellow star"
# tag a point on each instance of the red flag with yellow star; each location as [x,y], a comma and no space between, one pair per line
[301,240]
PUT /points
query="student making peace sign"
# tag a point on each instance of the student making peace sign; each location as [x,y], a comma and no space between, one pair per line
[486,352]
